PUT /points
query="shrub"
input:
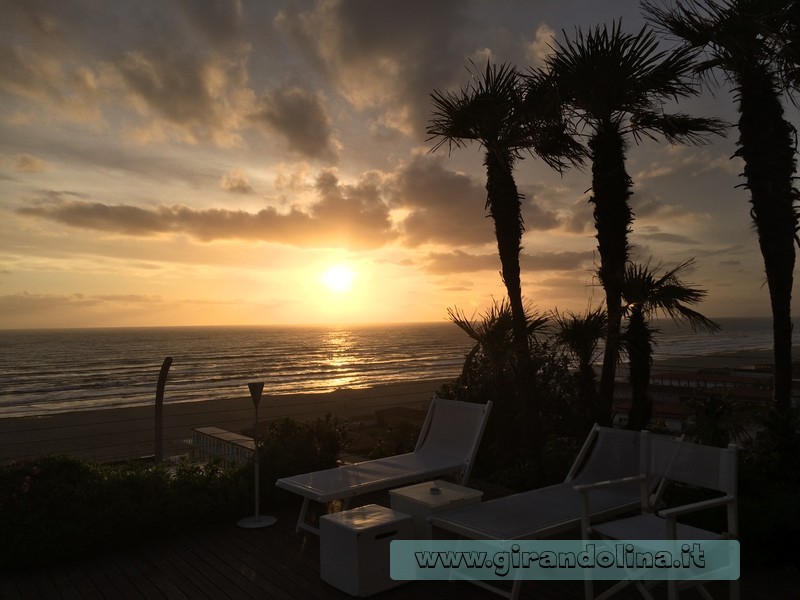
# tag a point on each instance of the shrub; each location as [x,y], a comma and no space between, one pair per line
[769,486]
[59,507]
[505,452]
[395,439]
[291,447]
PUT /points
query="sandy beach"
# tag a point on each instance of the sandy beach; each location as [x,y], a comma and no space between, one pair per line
[121,433]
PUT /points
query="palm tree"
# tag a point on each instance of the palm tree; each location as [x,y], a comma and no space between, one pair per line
[754,43]
[580,335]
[491,110]
[489,372]
[492,334]
[647,294]
[614,85]
[718,420]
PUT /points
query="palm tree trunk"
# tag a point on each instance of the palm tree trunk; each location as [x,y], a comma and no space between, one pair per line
[504,206]
[588,394]
[612,214]
[767,147]
[640,355]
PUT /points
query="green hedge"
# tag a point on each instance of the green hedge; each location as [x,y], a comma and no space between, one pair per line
[58,507]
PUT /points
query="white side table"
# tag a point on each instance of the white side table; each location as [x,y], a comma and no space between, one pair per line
[422,500]
[354,548]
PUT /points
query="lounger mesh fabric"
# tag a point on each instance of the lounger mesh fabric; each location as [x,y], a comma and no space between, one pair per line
[549,510]
[687,463]
[446,446]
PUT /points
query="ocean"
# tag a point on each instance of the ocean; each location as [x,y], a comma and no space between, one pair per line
[52,371]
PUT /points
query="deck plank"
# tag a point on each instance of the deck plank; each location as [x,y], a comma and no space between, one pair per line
[224,561]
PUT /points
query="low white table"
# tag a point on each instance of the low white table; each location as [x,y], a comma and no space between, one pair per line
[422,500]
[354,548]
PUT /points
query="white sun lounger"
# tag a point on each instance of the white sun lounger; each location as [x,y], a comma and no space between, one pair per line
[607,454]
[695,465]
[446,446]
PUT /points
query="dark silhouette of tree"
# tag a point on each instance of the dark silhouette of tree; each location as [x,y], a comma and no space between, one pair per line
[754,44]
[493,334]
[491,110]
[495,111]
[647,294]
[580,335]
[613,86]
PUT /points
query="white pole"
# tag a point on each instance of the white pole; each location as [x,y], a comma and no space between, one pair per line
[256,388]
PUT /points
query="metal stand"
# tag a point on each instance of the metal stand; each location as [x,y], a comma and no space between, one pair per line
[257,520]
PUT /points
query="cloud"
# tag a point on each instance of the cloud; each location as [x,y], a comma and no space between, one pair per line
[458,261]
[384,59]
[538,218]
[444,207]
[654,234]
[540,47]
[301,118]
[463,262]
[349,216]
[176,71]
[235,181]
[199,96]
[27,302]
[27,163]
[218,20]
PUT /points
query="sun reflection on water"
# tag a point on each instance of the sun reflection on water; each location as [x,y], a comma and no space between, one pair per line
[339,358]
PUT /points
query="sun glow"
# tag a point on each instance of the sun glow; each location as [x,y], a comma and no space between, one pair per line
[339,278]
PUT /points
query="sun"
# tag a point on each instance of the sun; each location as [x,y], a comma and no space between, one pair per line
[339,278]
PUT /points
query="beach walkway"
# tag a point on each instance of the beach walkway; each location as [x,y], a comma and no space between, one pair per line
[227,562]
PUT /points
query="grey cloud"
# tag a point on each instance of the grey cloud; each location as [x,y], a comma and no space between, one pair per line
[463,262]
[343,216]
[663,236]
[446,207]
[171,85]
[375,53]
[236,181]
[218,20]
[130,220]
[28,306]
[27,163]
[145,56]
[538,218]
[555,261]
[300,117]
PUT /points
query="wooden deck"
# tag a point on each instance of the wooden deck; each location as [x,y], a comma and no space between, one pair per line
[227,562]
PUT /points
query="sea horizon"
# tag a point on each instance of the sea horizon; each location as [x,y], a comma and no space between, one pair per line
[332,324]
[46,371]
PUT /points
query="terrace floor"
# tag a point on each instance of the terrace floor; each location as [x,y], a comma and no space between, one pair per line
[227,562]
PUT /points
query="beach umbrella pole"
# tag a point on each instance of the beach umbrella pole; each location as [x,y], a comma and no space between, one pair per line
[257,520]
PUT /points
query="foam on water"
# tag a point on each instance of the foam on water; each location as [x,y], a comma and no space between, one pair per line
[47,371]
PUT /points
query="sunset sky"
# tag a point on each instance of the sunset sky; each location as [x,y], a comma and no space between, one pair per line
[223,162]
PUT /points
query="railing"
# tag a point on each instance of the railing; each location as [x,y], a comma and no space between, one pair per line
[128,433]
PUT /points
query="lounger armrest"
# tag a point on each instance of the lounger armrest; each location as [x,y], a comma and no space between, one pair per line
[588,487]
[671,513]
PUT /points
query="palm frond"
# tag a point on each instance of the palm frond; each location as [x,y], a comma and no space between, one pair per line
[676,128]
[665,293]
[580,334]
[609,76]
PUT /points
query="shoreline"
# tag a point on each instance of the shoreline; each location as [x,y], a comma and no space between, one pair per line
[119,433]
[125,432]
[722,360]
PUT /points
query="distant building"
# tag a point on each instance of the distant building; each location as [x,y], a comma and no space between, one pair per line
[671,391]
